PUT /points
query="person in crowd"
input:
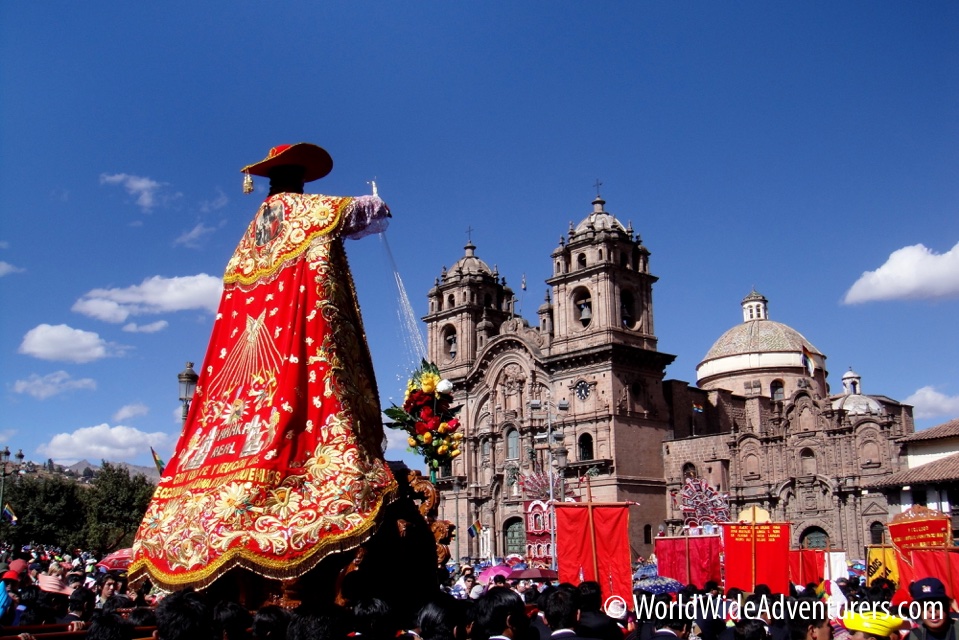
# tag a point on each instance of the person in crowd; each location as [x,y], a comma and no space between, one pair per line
[270,623]
[499,614]
[750,629]
[810,623]
[231,621]
[936,623]
[104,587]
[871,626]
[318,623]
[372,619]
[182,615]
[79,606]
[673,625]
[593,622]
[442,618]
[142,617]
[561,612]
[109,626]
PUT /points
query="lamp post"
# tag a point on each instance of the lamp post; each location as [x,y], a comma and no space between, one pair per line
[187,378]
[563,405]
[4,458]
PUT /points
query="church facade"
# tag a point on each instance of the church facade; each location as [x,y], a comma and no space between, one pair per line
[578,406]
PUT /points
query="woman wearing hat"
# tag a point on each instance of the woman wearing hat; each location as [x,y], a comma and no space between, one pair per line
[872,625]
[280,461]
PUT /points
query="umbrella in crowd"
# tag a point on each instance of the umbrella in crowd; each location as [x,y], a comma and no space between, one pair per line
[117,561]
[533,574]
[496,570]
[659,584]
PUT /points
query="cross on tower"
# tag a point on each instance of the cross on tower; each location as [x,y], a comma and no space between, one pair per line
[469,234]
[598,185]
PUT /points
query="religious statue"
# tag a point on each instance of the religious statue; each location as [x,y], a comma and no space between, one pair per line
[280,461]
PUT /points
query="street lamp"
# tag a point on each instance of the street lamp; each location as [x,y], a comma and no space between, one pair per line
[4,458]
[563,405]
[187,378]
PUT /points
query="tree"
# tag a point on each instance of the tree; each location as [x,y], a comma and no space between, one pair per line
[48,508]
[115,504]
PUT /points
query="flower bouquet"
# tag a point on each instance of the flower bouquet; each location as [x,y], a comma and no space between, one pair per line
[428,417]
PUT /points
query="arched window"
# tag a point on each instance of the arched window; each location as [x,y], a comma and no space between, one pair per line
[648,534]
[586,447]
[487,300]
[582,307]
[627,310]
[581,260]
[451,300]
[751,466]
[450,341]
[512,444]
[486,448]
[689,471]
[776,391]
[807,462]
[813,538]
[869,453]
[877,533]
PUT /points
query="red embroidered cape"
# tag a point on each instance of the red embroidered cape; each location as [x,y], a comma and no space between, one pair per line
[280,461]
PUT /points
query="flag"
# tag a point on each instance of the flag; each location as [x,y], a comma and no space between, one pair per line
[698,408]
[474,529]
[808,361]
[157,461]
[523,284]
[9,514]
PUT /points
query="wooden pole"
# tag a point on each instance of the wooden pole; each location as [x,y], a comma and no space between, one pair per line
[592,529]
[753,559]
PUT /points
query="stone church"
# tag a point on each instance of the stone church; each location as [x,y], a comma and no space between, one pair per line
[578,405]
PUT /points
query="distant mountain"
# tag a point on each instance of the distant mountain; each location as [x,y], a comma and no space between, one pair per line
[149,471]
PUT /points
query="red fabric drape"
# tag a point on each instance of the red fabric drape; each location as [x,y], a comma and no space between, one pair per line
[575,545]
[671,558]
[807,565]
[704,560]
[755,554]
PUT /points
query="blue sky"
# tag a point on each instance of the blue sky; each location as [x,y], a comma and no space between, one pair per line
[808,149]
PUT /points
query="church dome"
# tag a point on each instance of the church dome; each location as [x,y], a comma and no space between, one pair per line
[852,400]
[469,264]
[759,343]
[599,220]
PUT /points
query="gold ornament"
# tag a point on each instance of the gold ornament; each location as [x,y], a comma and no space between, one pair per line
[247,183]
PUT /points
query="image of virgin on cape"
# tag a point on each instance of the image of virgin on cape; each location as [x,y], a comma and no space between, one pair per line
[280,461]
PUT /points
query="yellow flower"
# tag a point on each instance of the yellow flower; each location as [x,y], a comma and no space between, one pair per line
[442,428]
[454,453]
[427,437]
[411,441]
[457,436]
[442,450]
[428,382]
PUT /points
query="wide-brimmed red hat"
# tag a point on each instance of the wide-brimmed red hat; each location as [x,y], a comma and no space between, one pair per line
[314,159]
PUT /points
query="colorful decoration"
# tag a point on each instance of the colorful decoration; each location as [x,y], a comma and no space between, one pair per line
[428,417]
[702,504]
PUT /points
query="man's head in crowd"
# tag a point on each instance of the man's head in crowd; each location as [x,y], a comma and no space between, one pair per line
[932,594]
[499,612]
[590,596]
[182,615]
[561,608]
[812,623]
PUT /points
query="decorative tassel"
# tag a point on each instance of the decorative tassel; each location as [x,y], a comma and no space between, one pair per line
[247,183]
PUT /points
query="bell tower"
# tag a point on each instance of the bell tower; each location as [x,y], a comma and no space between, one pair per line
[601,286]
[467,305]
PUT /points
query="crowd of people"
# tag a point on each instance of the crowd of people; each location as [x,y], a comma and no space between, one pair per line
[57,589]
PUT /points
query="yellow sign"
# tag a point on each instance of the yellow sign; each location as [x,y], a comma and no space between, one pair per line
[881,563]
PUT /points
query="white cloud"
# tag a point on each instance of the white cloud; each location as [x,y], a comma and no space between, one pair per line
[153,327]
[193,237]
[130,411]
[6,268]
[929,403]
[914,272]
[66,344]
[396,442]
[218,202]
[43,387]
[143,189]
[101,442]
[154,295]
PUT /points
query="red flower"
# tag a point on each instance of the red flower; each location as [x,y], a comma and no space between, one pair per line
[452,425]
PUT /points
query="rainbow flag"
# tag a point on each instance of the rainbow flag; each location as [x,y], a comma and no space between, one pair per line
[808,361]
[9,514]
[474,529]
[157,461]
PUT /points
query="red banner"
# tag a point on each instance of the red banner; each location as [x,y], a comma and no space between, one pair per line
[909,534]
[592,543]
[689,559]
[807,565]
[757,554]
